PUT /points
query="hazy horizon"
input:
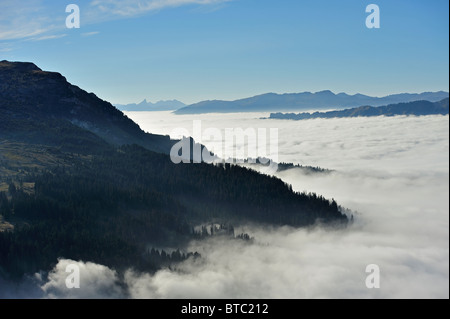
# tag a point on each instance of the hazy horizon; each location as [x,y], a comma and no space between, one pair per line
[149,100]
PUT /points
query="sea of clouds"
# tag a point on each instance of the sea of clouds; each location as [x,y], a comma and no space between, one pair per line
[393,173]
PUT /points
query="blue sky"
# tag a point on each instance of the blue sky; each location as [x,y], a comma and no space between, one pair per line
[194,50]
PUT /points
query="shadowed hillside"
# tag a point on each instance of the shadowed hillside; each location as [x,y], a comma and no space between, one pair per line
[79,180]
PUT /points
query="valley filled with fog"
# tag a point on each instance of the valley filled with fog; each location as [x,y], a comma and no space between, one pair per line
[391,172]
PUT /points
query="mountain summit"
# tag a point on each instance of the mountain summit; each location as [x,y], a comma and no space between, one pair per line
[147,106]
[30,97]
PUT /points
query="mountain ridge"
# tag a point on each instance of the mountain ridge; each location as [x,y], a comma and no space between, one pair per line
[304,101]
[417,108]
[37,94]
[146,106]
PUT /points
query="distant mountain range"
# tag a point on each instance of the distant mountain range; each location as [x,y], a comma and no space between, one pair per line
[412,108]
[170,105]
[305,101]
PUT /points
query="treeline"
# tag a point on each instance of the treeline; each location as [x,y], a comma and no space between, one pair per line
[68,217]
[108,208]
[219,230]
[223,190]
[164,259]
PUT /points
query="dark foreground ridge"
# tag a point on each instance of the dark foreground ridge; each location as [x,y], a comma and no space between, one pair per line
[79,180]
[31,98]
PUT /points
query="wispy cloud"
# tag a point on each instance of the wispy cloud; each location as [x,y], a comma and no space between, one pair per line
[49,37]
[21,33]
[88,34]
[32,18]
[28,18]
[5,48]
[127,8]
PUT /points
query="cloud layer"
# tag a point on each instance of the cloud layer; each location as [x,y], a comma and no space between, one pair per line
[391,172]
